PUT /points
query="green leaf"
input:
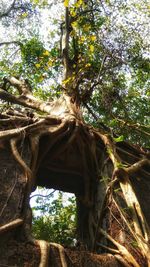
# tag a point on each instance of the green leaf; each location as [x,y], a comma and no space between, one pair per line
[119,139]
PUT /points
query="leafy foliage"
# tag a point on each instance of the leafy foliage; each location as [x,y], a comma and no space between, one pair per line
[38,63]
[110,60]
[56,220]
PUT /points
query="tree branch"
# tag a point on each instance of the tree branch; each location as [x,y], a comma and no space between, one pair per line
[6,13]
[135,126]
[11,42]
[66,45]
[40,195]
[137,166]
[96,118]
[22,86]
[27,100]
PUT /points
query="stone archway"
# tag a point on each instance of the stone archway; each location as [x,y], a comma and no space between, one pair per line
[61,151]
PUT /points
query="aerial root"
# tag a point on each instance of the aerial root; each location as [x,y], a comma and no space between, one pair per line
[121,250]
[121,173]
[60,132]
[34,142]
[11,225]
[122,261]
[18,158]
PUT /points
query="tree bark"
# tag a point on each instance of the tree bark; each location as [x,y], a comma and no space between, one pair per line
[59,150]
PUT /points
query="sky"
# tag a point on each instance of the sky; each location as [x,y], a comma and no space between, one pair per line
[46,192]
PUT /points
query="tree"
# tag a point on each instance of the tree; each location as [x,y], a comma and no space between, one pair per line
[78,139]
[53,225]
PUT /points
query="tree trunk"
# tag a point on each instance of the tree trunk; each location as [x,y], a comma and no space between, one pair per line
[60,151]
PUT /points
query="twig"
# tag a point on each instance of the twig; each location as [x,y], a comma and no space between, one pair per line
[101,67]
[40,195]
[96,118]
[11,42]
[6,13]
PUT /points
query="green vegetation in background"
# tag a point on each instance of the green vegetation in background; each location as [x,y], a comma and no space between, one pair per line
[56,219]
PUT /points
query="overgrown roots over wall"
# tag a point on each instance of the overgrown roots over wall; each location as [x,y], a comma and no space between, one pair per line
[111,182]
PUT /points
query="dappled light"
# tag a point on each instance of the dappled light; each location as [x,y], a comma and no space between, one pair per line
[74,133]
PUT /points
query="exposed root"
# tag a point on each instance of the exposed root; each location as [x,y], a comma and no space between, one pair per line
[60,132]
[112,250]
[34,141]
[87,201]
[63,133]
[122,214]
[103,207]
[140,225]
[122,261]
[64,145]
[11,225]
[61,253]
[17,156]
[121,250]
[8,134]
[44,247]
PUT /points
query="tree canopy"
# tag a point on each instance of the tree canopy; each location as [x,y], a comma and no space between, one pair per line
[108,49]
[74,90]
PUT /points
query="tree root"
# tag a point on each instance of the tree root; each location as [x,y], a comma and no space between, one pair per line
[61,253]
[18,158]
[121,260]
[8,134]
[44,247]
[121,250]
[122,174]
[11,225]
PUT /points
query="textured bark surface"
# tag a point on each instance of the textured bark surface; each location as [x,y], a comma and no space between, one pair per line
[111,182]
[13,183]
